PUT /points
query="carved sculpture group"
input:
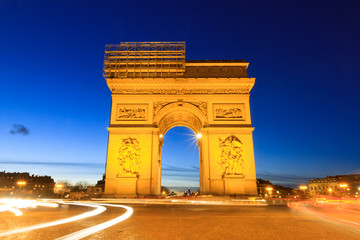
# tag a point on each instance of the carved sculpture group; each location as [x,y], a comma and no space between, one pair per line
[232,156]
[131,113]
[235,113]
[129,156]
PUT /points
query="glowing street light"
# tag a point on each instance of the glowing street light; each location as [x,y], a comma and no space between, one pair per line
[344,186]
[269,189]
[199,135]
[303,187]
[21,183]
[161,136]
[59,189]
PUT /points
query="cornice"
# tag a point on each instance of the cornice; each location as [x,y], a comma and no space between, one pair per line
[180,90]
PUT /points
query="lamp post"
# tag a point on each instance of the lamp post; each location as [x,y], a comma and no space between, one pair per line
[269,190]
[343,186]
[21,183]
[303,187]
[59,189]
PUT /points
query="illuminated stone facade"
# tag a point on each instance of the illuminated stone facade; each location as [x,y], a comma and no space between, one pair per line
[34,185]
[209,97]
[335,185]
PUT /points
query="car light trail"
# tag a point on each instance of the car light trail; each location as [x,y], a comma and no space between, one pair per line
[326,210]
[13,205]
[98,210]
[91,230]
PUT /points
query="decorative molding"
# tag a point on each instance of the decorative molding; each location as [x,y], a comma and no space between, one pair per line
[201,105]
[131,112]
[229,112]
[244,89]
[129,156]
[232,157]
[158,105]
[180,117]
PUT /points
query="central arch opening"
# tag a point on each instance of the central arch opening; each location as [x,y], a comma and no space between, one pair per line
[180,161]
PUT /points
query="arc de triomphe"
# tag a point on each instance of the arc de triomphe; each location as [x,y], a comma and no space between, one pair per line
[154,88]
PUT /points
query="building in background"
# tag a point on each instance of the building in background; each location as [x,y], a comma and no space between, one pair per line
[339,185]
[267,189]
[24,184]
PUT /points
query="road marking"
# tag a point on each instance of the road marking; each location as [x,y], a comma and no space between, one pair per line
[98,210]
[91,230]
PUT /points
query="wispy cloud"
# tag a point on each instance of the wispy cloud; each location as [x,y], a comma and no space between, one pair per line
[284,179]
[171,168]
[19,129]
[180,175]
[356,171]
[77,164]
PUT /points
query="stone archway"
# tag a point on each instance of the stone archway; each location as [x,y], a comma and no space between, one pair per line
[209,97]
[180,113]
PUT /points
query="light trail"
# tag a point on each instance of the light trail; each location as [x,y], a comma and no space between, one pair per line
[91,230]
[13,205]
[327,211]
[98,210]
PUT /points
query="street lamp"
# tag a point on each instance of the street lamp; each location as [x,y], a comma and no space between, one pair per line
[343,186]
[59,189]
[269,189]
[21,183]
[303,187]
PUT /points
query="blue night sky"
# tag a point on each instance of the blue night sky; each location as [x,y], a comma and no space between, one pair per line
[303,54]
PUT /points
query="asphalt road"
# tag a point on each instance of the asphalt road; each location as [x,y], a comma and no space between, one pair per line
[183,222]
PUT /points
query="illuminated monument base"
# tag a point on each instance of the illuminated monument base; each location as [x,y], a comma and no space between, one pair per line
[151,97]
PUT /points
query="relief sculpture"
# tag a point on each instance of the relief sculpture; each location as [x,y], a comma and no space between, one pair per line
[131,112]
[228,113]
[129,156]
[232,156]
[224,112]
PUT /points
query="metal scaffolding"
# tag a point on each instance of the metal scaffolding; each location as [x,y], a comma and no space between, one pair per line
[144,59]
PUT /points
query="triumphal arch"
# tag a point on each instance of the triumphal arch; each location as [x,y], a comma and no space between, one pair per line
[154,88]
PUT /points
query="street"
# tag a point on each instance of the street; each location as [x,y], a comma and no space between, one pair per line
[165,221]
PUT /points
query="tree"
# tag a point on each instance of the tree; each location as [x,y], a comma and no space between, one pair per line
[79,186]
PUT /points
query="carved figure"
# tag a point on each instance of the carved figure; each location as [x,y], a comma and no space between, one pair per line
[228,113]
[129,156]
[131,113]
[232,156]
